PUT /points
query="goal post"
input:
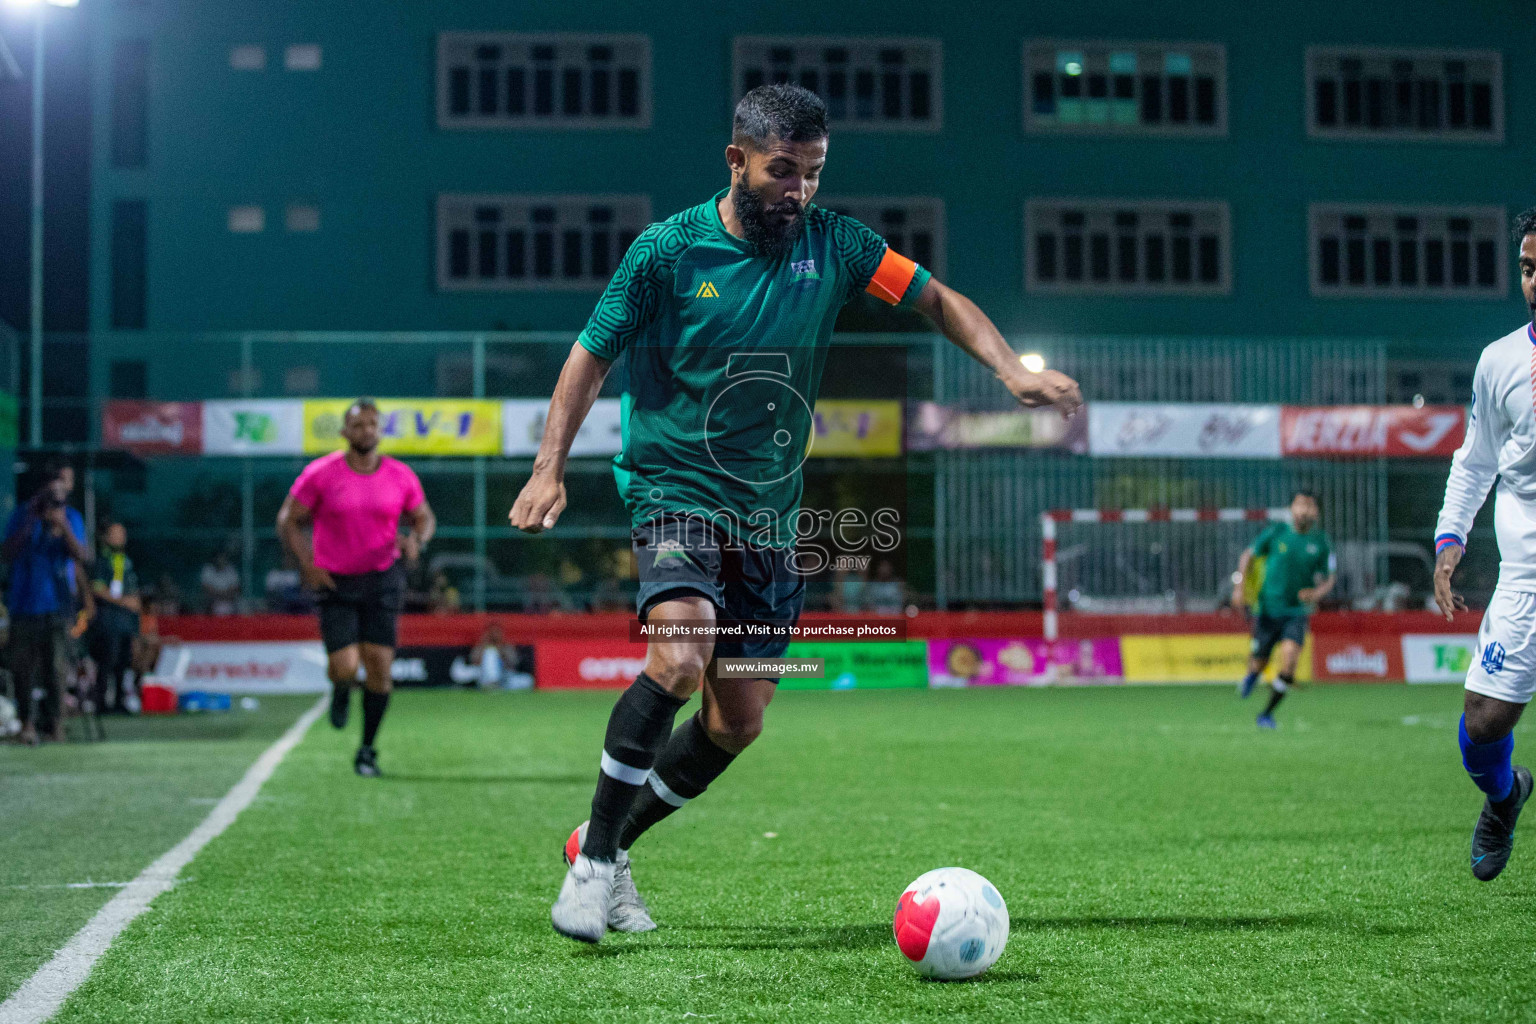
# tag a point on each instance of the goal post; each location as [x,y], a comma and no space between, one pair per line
[1053,519]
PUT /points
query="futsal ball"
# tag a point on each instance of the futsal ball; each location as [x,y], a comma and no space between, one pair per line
[952,924]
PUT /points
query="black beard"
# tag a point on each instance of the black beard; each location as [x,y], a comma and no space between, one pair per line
[772,237]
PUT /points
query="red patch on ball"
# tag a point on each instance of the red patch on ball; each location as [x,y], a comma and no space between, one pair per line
[914,924]
[573,846]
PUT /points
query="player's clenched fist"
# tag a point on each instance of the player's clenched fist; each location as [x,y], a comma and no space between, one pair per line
[539,505]
[1048,387]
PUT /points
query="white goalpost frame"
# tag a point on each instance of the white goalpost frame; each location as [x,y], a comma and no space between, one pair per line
[1050,517]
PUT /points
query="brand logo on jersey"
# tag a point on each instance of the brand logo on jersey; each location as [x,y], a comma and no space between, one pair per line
[670,549]
[1493,658]
[804,270]
[1311,549]
[706,291]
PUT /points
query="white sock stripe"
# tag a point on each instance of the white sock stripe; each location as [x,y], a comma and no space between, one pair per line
[665,792]
[624,773]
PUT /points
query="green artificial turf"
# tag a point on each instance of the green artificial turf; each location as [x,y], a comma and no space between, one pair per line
[101,812]
[1162,861]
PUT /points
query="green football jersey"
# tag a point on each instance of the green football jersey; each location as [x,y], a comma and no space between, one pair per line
[1293,562]
[725,350]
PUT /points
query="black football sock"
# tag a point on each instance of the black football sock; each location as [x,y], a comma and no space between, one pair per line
[373,714]
[637,730]
[685,767]
[1278,690]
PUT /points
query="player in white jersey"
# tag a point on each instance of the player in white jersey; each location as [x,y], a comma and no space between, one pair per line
[1501,442]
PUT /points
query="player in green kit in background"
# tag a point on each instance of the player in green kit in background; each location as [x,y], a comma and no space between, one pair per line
[723,314]
[1299,571]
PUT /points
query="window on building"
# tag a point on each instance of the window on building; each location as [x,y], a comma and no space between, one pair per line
[869,83]
[1406,95]
[552,80]
[534,243]
[247,220]
[130,103]
[248,58]
[1408,252]
[302,57]
[1117,246]
[128,378]
[130,237]
[1125,88]
[913,225]
[301,217]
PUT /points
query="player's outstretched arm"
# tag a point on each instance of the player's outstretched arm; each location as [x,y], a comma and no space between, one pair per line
[963,323]
[1473,470]
[542,499]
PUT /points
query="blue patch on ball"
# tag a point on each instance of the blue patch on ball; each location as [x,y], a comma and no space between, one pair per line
[990,895]
[970,951]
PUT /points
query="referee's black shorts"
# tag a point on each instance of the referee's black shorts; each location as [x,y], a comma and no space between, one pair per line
[364,608]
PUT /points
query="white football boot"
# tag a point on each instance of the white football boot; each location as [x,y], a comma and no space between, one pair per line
[581,912]
[627,911]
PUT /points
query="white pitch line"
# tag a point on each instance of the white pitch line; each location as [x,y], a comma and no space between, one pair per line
[43,993]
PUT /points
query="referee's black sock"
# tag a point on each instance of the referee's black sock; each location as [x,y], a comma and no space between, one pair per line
[373,714]
[1278,689]
[685,767]
[637,729]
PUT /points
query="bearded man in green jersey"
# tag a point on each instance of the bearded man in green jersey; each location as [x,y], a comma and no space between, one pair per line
[724,312]
[1299,571]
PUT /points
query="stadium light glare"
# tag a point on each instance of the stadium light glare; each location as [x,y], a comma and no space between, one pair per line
[1073,68]
[1034,362]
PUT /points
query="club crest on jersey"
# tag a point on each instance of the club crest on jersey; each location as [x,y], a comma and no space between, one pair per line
[804,270]
[1493,658]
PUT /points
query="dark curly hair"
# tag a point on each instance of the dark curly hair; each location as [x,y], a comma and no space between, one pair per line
[1525,224]
[781,111]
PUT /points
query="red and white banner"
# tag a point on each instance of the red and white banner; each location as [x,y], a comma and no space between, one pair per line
[1372,430]
[587,664]
[153,428]
[254,667]
[1147,430]
[1342,658]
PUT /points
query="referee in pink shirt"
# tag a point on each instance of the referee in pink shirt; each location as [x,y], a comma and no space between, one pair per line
[355,499]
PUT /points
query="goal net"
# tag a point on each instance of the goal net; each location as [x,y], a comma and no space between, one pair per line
[1143,560]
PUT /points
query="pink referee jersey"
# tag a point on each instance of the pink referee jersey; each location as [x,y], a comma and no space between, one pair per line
[357,515]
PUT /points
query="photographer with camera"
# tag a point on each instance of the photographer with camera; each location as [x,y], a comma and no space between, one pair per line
[45,546]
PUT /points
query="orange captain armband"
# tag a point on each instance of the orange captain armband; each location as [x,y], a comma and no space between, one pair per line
[892,277]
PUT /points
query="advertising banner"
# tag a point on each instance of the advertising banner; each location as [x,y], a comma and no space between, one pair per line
[1197,658]
[1023,662]
[1146,430]
[253,667]
[153,428]
[412,426]
[1438,657]
[522,427]
[933,426]
[876,665]
[1349,659]
[510,667]
[857,428]
[253,427]
[587,664]
[1342,431]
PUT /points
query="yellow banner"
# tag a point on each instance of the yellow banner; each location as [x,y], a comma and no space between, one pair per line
[412,426]
[857,428]
[1198,658]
